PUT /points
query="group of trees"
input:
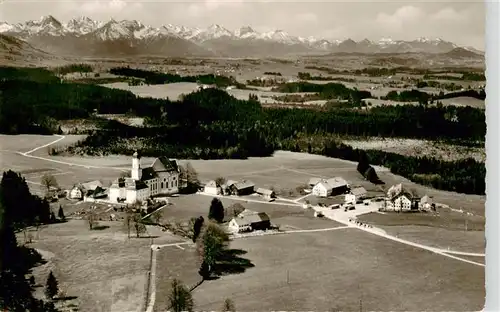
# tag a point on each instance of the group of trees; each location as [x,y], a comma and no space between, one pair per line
[308,76]
[470,74]
[465,76]
[438,85]
[73,68]
[19,209]
[424,97]
[272,73]
[325,91]
[20,206]
[151,77]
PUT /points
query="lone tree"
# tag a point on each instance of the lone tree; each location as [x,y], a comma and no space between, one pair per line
[92,219]
[216,210]
[197,225]
[139,226]
[60,214]
[156,217]
[180,298]
[220,181]
[51,287]
[228,306]
[127,223]
[49,181]
[212,243]
[52,217]
[363,163]
[191,178]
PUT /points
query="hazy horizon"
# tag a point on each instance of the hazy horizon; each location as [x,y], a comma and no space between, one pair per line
[460,22]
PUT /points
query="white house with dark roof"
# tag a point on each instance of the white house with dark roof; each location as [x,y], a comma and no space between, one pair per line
[249,220]
[266,193]
[400,198]
[212,188]
[162,178]
[79,191]
[329,187]
[355,194]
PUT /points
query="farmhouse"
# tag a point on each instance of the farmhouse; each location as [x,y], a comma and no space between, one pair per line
[330,187]
[232,211]
[355,194]
[79,191]
[249,221]
[212,188]
[226,187]
[92,195]
[162,178]
[242,188]
[426,203]
[399,198]
[267,194]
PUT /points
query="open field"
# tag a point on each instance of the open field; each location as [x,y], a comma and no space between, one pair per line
[102,268]
[174,262]
[448,229]
[23,142]
[412,147]
[444,218]
[335,270]
[470,241]
[464,101]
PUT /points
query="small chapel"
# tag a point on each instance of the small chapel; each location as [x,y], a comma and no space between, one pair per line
[161,178]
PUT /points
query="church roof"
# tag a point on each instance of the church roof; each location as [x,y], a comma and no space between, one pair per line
[148,173]
[163,164]
[132,184]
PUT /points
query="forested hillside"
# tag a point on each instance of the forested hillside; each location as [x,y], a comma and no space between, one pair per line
[212,124]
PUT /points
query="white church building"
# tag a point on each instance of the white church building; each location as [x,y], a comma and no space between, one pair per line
[162,178]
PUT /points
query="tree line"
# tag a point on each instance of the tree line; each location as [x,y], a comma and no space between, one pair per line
[424,97]
[308,76]
[466,76]
[469,74]
[73,68]
[325,91]
[151,77]
[463,176]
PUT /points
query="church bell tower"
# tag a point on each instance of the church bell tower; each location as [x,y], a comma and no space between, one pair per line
[136,173]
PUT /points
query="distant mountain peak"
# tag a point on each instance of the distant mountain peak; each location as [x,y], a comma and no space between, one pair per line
[133,33]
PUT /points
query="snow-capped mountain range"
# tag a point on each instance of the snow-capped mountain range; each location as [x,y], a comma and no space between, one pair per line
[87,36]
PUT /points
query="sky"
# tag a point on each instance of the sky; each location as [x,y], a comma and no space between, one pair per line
[462,22]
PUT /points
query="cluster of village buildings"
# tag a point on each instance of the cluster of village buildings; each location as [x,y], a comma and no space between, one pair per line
[162,179]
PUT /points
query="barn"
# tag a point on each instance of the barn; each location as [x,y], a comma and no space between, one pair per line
[267,194]
[242,188]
